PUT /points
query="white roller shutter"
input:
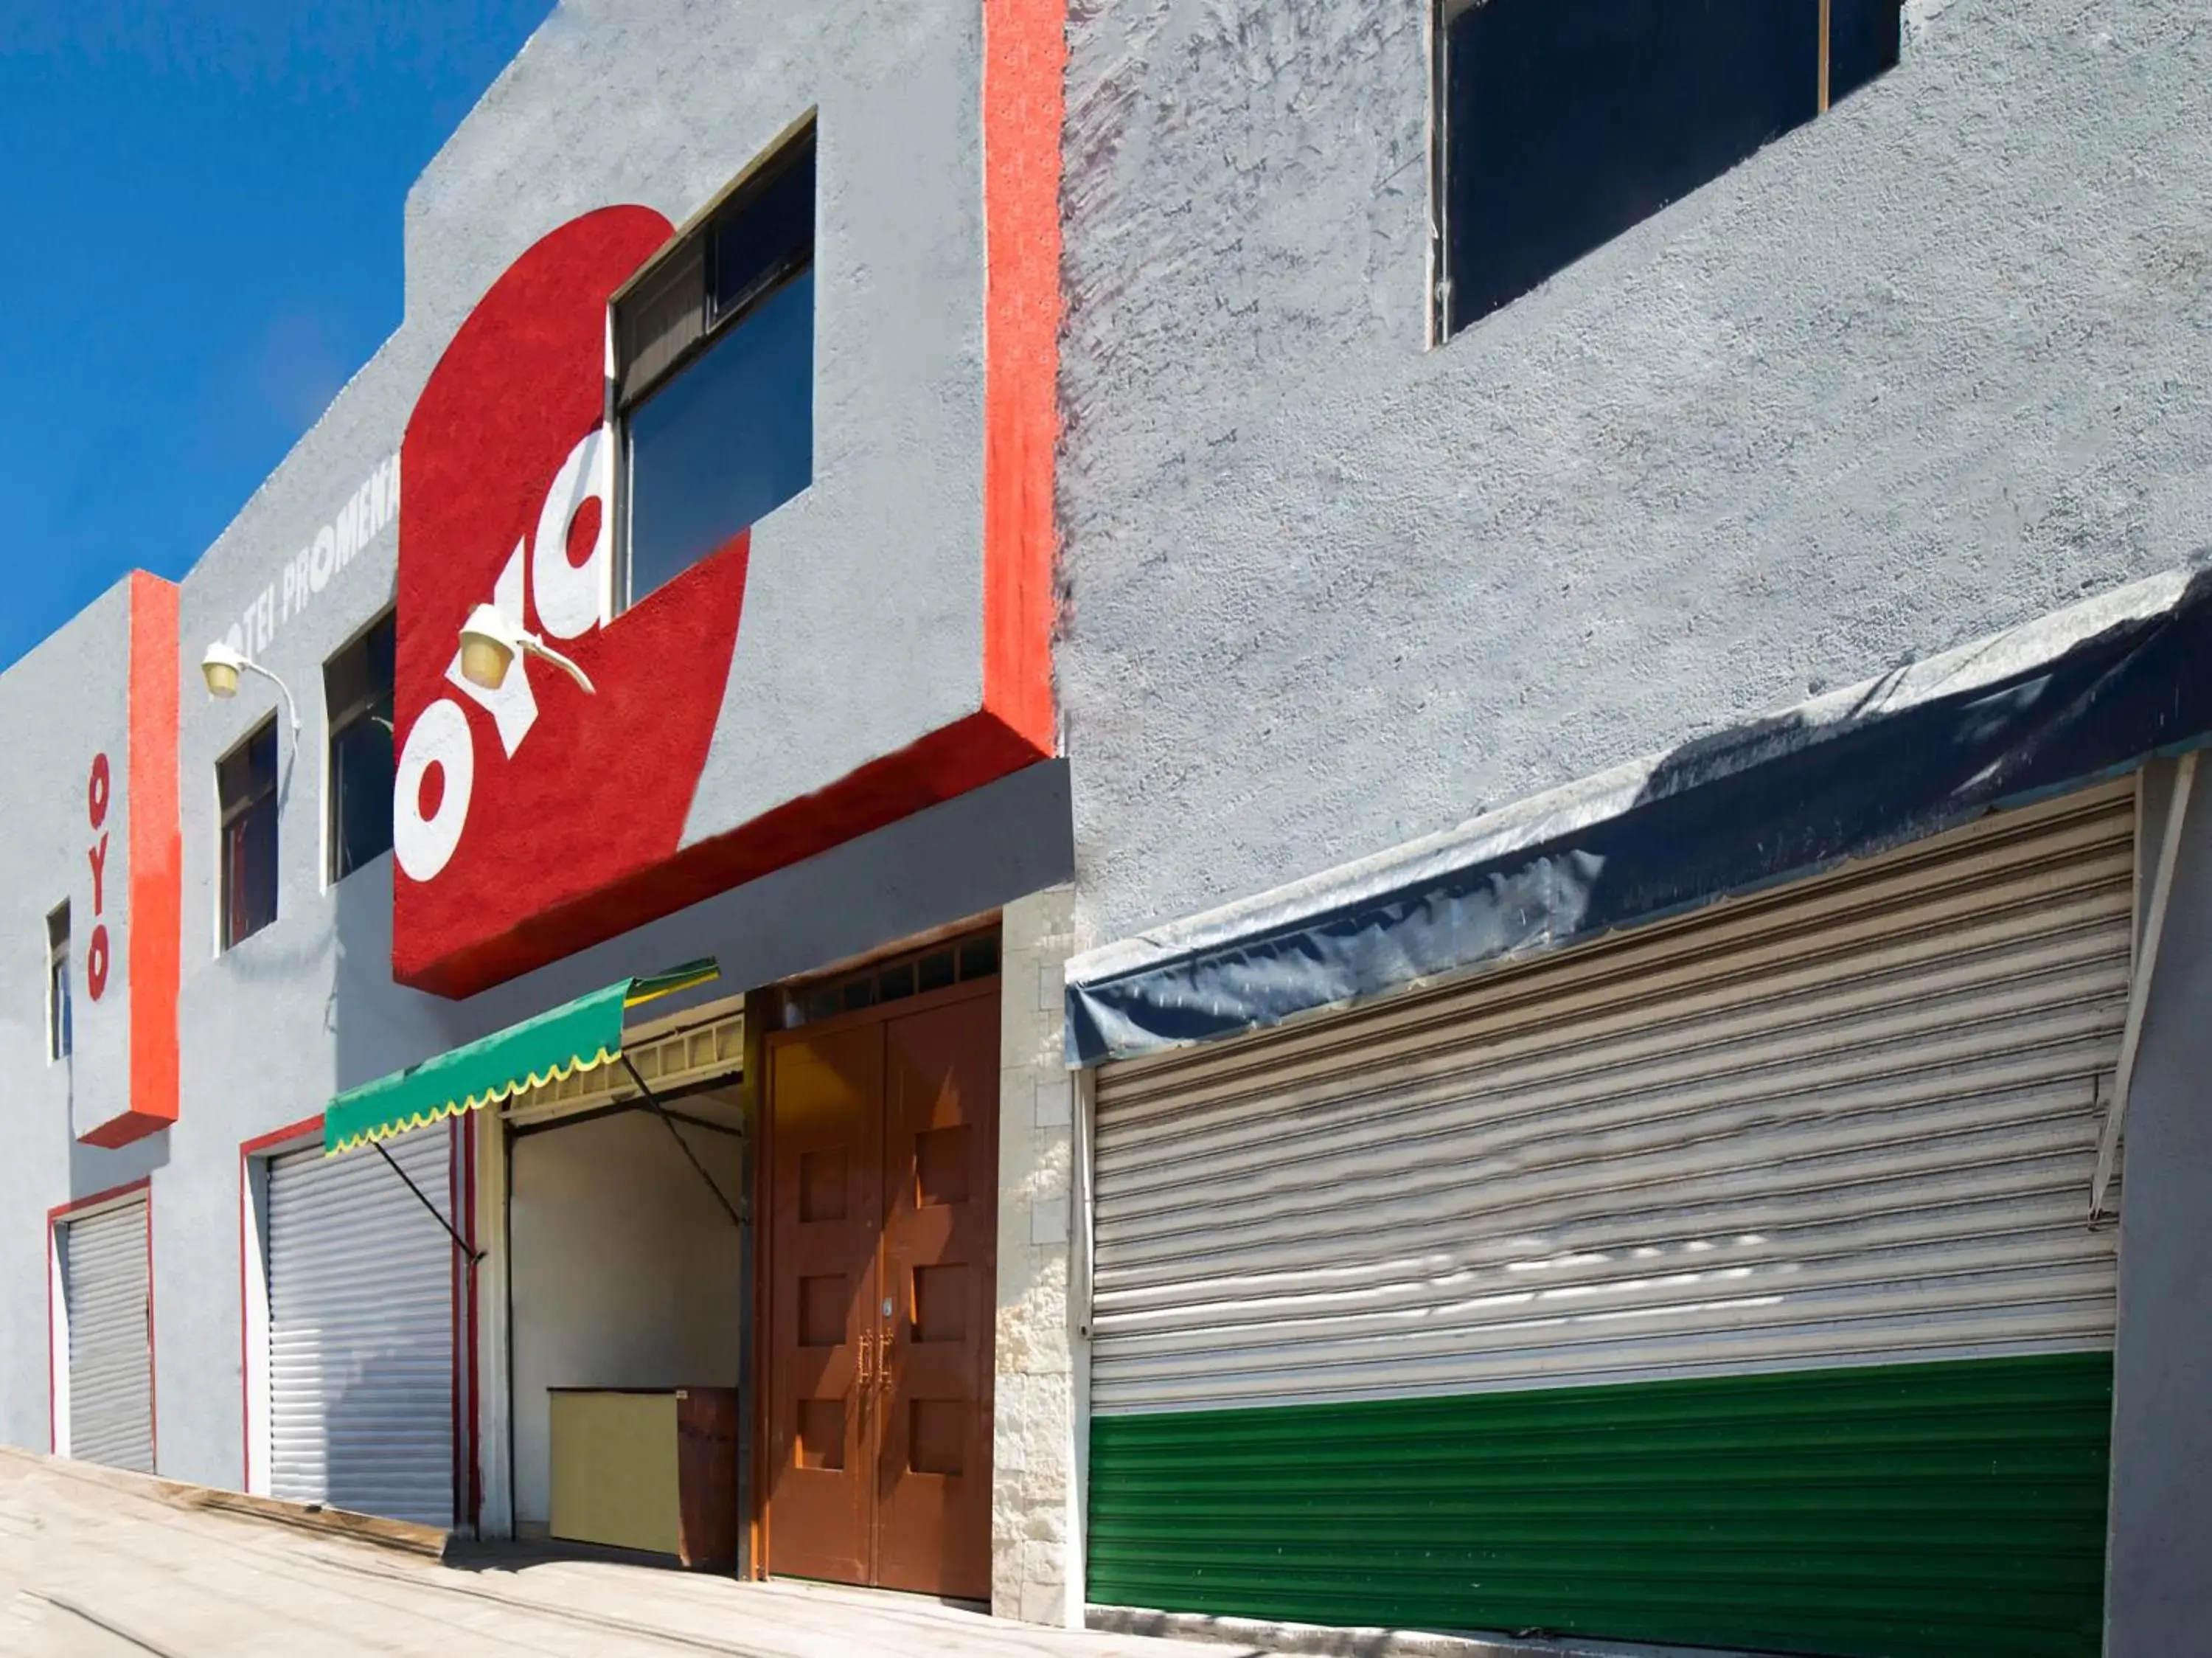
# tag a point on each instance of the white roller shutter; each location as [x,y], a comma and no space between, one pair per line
[108,1287]
[1850,1120]
[361,1329]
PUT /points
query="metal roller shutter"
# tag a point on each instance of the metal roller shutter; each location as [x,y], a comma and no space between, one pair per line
[106,1282]
[361,1330]
[1737,1160]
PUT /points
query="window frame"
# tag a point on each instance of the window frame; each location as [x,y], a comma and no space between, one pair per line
[799,143]
[61,1034]
[338,719]
[229,813]
[1441,15]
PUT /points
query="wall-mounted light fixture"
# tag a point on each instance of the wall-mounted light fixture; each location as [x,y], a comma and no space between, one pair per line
[490,642]
[220,667]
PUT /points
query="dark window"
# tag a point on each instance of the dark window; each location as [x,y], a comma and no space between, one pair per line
[716,376]
[58,1033]
[246,789]
[357,690]
[934,969]
[1567,121]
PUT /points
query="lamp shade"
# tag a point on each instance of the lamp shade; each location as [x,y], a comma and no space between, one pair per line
[219,668]
[488,642]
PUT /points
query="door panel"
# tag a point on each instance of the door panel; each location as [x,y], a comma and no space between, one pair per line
[940,1243]
[825,1093]
[882,1247]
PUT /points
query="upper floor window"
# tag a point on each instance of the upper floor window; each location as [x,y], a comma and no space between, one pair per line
[1565,122]
[58,1033]
[246,798]
[715,346]
[357,691]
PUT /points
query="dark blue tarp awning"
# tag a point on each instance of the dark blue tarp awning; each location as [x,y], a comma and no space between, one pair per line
[2090,692]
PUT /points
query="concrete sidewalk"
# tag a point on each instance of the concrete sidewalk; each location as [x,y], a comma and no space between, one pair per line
[95,1564]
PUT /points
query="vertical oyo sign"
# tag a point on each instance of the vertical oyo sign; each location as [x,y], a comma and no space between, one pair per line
[510,805]
[132,894]
[98,789]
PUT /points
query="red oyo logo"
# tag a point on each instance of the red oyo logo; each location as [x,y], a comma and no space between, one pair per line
[509,804]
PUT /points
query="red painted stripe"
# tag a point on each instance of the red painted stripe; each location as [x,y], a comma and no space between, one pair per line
[62,1211]
[1024,66]
[308,1128]
[156,843]
[474,1417]
[153,1348]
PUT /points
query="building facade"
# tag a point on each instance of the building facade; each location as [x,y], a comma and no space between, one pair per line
[1281,814]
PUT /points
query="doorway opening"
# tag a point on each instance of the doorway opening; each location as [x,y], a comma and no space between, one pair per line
[626,1263]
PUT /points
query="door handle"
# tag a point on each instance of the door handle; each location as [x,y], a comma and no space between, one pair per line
[864,1376]
[883,1361]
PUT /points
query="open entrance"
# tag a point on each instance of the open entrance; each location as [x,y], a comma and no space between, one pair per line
[626,1273]
[882,1113]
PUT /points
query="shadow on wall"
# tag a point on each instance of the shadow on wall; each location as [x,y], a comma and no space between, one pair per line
[376,1026]
[1776,799]
[370,1462]
[95,1169]
[1769,801]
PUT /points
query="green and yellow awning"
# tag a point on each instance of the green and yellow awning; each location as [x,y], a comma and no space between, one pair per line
[580,1035]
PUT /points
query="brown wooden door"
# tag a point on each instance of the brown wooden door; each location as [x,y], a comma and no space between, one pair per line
[826,1228]
[940,1246]
[881,1280]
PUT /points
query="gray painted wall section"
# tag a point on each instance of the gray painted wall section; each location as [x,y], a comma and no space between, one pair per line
[2159,1596]
[61,704]
[1931,366]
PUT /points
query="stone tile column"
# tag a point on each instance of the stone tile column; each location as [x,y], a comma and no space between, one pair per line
[1036,1533]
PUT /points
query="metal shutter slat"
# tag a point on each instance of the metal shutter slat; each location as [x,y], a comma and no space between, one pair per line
[1850,1120]
[361,1330]
[110,1358]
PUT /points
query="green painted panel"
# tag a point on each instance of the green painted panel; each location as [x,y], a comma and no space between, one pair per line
[1898,1511]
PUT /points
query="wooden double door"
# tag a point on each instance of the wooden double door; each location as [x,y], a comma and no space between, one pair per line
[883,1159]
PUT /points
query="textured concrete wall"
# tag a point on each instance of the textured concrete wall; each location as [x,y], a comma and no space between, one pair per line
[60,704]
[1036,1533]
[1932,365]
[2159,1598]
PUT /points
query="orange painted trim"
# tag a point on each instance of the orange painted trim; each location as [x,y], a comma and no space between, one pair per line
[156,917]
[1024,72]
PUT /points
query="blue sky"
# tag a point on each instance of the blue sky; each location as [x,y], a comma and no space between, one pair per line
[201,205]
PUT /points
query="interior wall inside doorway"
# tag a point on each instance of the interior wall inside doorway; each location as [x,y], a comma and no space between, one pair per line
[626,1272]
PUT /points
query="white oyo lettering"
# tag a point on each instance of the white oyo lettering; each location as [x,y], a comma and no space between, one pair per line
[423,843]
[514,706]
[570,599]
[573,599]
